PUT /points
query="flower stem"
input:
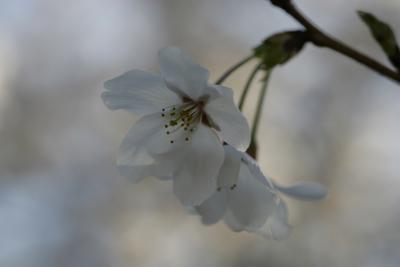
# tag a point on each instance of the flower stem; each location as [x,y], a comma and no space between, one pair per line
[248,84]
[260,103]
[232,69]
[321,39]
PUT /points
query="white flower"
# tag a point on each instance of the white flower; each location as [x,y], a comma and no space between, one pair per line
[183,121]
[247,200]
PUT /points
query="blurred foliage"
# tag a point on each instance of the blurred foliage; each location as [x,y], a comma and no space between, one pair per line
[384,35]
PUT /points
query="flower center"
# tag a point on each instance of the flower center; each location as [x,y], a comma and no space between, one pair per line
[184,117]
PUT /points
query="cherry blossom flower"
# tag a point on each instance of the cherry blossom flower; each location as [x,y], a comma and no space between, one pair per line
[183,122]
[249,201]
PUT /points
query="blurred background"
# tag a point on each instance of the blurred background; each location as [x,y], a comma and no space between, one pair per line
[326,119]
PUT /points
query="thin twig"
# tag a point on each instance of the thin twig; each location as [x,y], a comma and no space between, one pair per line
[229,71]
[321,39]
[261,98]
[248,84]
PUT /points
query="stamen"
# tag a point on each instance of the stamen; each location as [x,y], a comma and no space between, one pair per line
[182,117]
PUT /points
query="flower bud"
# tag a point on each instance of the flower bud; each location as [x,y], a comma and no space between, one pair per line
[279,48]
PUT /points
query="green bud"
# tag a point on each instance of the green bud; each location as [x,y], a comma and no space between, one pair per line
[384,35]
[279,48]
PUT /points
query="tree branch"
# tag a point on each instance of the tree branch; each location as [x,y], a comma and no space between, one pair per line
[321,39]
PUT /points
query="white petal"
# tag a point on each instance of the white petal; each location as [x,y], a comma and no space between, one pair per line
[214,91]
[213,209]
[197,178]
[231,122]
[256,171]
[145,136]
[229,172]
[169,162]
[138,92]
[277,226]
[181,73]
[222,91]
[303,190]
[135,163]
[132,160]
[149,132]
[232,222]
[250,202]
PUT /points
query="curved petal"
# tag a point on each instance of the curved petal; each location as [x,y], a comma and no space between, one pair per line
[230,121]
[303,190]
[138,92]
[135,163]
[256,171]
[146,136]
[277,226]
[214,91]
[229,172]
[169,162]
[213,209]
[132,159]
[232,222]
[221,91]
[250,202]
[196,180]
[181,73]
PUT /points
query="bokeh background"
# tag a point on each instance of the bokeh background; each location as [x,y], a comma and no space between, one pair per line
[326,119]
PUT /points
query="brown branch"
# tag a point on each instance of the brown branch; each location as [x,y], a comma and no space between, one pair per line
[321,39]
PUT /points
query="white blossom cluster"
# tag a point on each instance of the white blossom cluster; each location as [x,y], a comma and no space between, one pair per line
[191,132]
